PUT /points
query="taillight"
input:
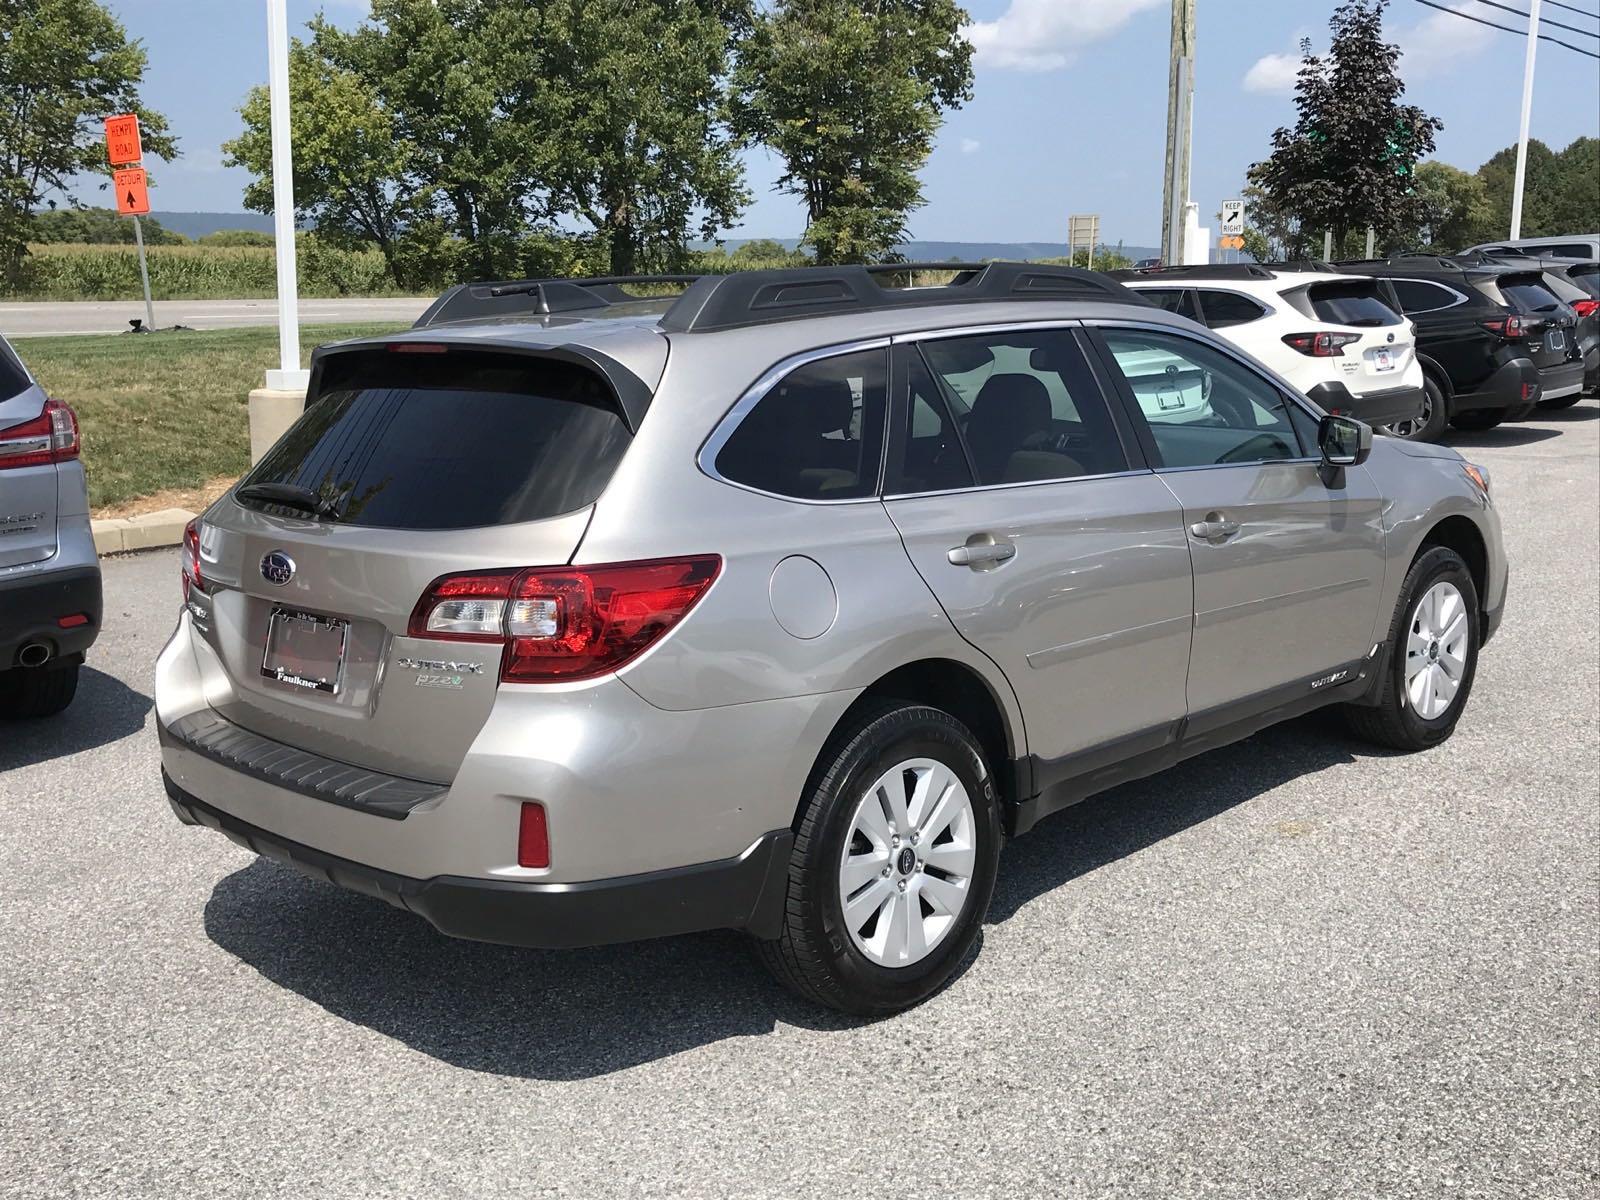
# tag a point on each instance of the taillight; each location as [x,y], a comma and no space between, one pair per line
[189,559]
[565,623]
[51,437]
[1585,308]
[1320,345]
[1510,328]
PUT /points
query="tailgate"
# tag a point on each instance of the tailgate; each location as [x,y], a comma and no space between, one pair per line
[1386,349]
[423,466]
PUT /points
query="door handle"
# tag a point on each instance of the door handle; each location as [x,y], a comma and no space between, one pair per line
[1214,528]
[983,554]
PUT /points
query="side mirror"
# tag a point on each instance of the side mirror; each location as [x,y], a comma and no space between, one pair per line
[1344,441]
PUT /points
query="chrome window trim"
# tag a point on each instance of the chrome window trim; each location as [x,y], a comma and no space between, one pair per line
[1460,298]
[1024,483]
[706,459]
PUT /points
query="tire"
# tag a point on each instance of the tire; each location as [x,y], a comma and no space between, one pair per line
[1475,420]
[1563,402]
[27,693]
[1396,722]
[1429,427]
[848,962]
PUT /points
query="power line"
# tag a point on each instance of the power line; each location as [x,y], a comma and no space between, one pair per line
[1543,37]
[1582,12]
[1545,21]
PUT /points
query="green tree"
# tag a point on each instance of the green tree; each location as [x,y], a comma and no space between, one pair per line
[64,66]
[1579,173]
[97,227]
[1561,192]
[629,97]
[349,168]
[1454,211]
[850,95]
[1349,161]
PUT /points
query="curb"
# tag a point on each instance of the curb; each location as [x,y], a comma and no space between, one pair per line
[118,535]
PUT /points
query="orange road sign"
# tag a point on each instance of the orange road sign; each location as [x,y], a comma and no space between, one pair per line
[122,139]
[133,191]
[1231,243]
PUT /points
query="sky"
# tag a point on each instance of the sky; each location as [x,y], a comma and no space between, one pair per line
[1068,113]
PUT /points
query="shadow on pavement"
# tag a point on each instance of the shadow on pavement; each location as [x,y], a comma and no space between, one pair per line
[1502,435]
[104,710]
[585,1013]
[1584,410]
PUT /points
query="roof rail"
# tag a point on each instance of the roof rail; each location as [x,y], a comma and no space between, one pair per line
[1301,264]
[1199,270]
[792,293]
[497,298]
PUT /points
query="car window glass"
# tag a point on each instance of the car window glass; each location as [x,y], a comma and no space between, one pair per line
[930,454]
[1202,407]
[1355,304]
[817,434]
[1565,250]
[1529,296]
[1027,405]
[1224,309]
[1419,296]
[1587,277]
[13,379]
[1173,300]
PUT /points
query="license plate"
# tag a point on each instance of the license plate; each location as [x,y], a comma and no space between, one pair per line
[1382,360]
[1556,340]
[305,650]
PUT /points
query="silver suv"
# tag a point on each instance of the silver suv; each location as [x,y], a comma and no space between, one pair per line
[49,572]
[571,617]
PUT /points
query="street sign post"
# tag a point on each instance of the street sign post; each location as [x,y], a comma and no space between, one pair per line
[132,189]
[1083,233]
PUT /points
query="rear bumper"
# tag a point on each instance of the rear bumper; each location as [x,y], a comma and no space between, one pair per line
[1563,380]
[1387,406]
[1503,389]
[33,603]
[746,892]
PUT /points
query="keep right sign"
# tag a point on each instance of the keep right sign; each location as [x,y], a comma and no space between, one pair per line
[1232,218]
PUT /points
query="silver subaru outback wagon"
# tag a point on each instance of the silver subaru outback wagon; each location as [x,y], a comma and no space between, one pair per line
[572,617]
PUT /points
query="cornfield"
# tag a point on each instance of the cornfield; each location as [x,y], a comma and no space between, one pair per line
[68,271]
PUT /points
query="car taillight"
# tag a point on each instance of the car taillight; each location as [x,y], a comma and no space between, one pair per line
[1510,328]
[189,559]
[51,437]
[1320,345]
[1585,308]
[565,623]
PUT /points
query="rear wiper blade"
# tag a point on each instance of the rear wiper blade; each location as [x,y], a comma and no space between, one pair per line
[289,495]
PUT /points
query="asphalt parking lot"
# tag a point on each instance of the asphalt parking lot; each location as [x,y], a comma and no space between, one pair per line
[1296,967]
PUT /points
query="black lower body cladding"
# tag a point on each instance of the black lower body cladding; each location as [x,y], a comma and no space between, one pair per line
[32,606]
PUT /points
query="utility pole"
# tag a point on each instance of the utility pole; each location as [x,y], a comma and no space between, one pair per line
[1527,110]
[1180,100]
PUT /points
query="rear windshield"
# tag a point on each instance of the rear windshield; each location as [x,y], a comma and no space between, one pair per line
[13,379]
[452,440]
[1586,276]
[1355,304]
[1528,294]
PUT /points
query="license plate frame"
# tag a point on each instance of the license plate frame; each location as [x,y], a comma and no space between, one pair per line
[1382,359]
[1556,340]
[316,670]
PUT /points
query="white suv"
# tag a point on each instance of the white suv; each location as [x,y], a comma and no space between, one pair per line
[1331,335]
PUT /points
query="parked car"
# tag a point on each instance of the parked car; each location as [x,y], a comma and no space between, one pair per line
[1576,285]
[49,572]
[1485,356]
[1329,334]
[1580,246]
[569,617]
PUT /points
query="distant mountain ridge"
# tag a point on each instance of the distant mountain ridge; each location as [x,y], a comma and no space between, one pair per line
[198,224]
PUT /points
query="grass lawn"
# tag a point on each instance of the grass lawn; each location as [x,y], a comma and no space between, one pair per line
[166,411]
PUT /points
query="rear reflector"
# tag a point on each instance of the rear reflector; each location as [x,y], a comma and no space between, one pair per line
[533,837]
[72,622]
[565,623]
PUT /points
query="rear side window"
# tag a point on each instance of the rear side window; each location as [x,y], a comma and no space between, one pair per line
[1225,309]
[1587,277]
[1420,296]
[457,440]
[1355,304]
[1174,300]
[1565,250]
[13,379]
[817,434]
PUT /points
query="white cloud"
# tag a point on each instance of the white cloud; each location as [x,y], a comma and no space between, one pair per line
[970,145]
[1274,73]
[1439,41]
[1043,35]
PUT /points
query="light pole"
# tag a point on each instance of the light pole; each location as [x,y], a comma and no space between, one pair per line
[1527,110]
[289,377]
[1180,97]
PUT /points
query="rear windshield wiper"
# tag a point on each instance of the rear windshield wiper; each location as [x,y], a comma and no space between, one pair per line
[289,495]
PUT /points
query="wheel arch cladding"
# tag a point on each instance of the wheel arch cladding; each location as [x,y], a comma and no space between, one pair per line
[958,690]
[1440,377]
[1462,535]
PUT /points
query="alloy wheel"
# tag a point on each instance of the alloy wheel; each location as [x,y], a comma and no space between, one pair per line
[1411,427]
[906,872]
[1436,650]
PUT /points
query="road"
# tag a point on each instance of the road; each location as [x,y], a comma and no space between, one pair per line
[1293,968]
[37,320]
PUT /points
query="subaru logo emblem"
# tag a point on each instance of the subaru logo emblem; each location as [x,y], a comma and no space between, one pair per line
[1391,337]
[277,567]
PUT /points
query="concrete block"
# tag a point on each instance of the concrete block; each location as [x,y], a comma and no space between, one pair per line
[271,413]
[164,528]
[108,533]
